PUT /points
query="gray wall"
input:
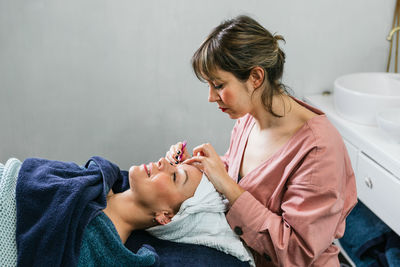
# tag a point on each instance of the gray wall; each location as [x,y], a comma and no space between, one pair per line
[113,78]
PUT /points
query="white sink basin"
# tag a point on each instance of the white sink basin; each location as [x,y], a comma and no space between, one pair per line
[389,121]
[359,97]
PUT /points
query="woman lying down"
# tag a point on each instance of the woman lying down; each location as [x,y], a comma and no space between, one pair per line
[71,215]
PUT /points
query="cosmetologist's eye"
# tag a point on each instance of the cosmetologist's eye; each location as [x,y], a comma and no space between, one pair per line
[218,86]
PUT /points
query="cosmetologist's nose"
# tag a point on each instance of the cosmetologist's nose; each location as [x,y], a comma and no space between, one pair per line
[212,95]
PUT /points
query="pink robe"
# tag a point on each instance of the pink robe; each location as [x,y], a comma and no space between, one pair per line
[295,202]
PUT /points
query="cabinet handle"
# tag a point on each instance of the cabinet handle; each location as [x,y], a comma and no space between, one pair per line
[368,182]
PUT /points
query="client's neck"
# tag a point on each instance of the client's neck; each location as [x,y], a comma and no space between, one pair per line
[126,214]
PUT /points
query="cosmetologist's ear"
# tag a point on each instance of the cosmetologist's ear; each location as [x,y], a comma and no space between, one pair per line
[164,217]
[257,77]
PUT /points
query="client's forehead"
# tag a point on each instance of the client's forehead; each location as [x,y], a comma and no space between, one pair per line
[194,177]
[192,171]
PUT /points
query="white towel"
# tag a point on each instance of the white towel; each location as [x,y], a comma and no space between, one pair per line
[201,220]
[8,212]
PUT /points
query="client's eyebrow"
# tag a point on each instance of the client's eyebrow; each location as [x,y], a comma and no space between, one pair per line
[186,178]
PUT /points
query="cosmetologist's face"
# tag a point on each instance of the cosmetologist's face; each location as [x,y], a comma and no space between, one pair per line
[158,185]
[232,96]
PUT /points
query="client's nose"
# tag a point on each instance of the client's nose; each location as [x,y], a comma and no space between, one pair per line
[163,165]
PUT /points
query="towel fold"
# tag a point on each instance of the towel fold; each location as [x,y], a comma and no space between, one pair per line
[201,220]
[369,241]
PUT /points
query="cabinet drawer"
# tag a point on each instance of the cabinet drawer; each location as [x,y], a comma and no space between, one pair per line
[379,191]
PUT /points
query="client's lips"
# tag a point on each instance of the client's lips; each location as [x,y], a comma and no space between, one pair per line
[222,109]
[146,169]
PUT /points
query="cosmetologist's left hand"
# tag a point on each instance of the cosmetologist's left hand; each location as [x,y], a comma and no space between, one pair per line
[208,161]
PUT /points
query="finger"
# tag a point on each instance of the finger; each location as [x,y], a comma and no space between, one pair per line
[198,159]
[208,149]
[198,151]
[175,152]
[196,162]
[177,148]
[203,149]
[169,153]
[171,158]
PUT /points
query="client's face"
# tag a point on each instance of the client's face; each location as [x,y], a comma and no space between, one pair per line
[159,184]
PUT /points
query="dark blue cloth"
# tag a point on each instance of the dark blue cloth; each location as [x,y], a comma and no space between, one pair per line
[102,246]
[55,202]
[174,254]
[368,241]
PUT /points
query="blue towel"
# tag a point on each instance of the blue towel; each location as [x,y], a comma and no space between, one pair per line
[102,246]
[172,254]
[55,202]
[368,241]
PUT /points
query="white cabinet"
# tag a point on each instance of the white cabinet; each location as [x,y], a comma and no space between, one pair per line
[375,161]
[353,154]
[379,190]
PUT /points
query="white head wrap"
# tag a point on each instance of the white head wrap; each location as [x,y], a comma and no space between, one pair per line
[201,220]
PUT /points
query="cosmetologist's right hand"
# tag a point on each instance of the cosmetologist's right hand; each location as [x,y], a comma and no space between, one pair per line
[175,155]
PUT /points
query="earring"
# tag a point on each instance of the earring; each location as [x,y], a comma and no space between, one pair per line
[154,220]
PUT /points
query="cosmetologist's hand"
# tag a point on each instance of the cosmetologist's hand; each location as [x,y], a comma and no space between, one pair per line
[208,161]
[175,155]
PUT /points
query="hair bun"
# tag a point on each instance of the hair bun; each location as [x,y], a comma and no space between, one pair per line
[278,37]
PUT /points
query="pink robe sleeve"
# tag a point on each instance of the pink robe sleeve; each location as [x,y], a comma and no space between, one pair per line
[312,208]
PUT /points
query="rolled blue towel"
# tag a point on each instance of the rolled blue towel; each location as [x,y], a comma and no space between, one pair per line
[102,246]
[369,241]
[393,250]
[174,254]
